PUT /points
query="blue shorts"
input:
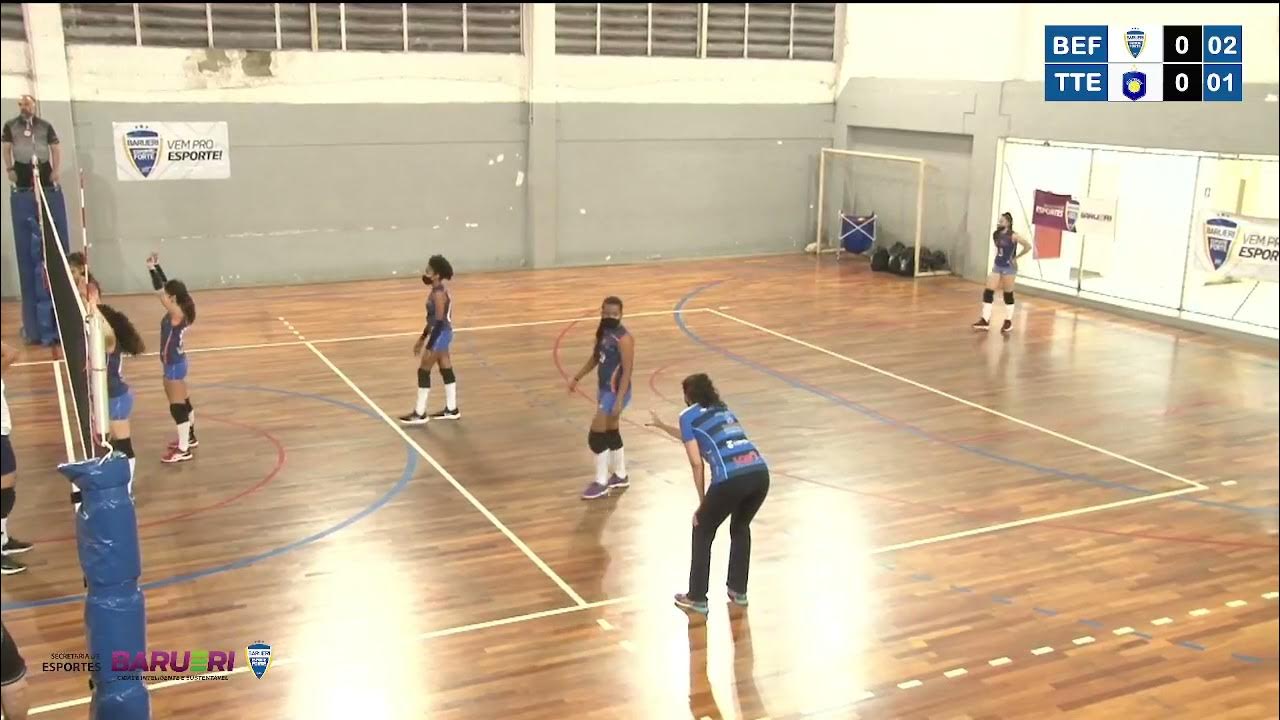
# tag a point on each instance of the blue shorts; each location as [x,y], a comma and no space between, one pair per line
[1005,269]
[608,401]
[8,463]
[443,341]
[120,407]
[176,371]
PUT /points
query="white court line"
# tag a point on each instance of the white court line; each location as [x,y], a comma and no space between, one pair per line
[355,338]
[432,634]
[529,553]
[1035,519]
[962,401]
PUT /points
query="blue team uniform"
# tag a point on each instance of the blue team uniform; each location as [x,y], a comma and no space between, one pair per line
[722,442]
[1005,264]
[119,396]
[609,370]
[172,352]
[439,332]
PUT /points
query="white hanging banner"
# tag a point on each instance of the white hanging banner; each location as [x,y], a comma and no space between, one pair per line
[147,151]
[1097,217]
[1240,246]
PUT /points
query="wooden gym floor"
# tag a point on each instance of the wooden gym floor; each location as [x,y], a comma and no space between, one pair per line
[1078,520]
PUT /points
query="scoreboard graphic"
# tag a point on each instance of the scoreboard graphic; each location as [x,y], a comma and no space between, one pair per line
[1143,63]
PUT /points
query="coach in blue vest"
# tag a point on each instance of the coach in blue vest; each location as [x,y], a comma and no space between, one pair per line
[714,438]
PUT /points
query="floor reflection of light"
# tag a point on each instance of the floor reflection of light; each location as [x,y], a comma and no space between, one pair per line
[360,655]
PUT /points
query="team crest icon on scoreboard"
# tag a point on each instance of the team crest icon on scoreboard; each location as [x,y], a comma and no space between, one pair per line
[1134,84]
[259,658]
[1135,40]
[1219,236]
[142,146]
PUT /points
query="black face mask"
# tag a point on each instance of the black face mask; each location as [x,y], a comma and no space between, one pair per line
[426,280]
[610,323]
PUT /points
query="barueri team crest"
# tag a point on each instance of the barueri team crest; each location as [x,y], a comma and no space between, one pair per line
[259,657]
[1134,84]
[1072,215]
[1219,236]
[143,147]
[1135,40]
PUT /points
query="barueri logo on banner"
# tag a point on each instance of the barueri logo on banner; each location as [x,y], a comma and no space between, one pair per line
[172,151]
[1241,246]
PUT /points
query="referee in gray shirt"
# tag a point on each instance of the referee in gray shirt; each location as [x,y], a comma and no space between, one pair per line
[26,136]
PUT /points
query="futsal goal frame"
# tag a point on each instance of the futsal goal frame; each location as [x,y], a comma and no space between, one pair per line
[920,165]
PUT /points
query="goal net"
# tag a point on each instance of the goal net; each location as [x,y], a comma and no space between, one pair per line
[853,186]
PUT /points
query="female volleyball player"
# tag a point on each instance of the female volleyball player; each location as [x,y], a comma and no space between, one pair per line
[8,477]
[614,357]
[1003,272]
[713,436]
[433,346]
[121,338]
[180,314]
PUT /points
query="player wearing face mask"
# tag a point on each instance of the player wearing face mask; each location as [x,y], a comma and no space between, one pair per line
[613,356]
[433,346]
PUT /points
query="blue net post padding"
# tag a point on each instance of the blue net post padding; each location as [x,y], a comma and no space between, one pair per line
[857,232]
[115,614]
[38,322]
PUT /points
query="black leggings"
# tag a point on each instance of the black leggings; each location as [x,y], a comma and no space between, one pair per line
[739,497]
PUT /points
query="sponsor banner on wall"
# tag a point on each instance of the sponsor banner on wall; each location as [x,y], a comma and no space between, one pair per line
[148,151]
[1240,246]
[1066,214]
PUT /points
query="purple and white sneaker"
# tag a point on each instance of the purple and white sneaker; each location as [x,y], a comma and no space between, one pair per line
[684,602]
[618,483]
[595,490]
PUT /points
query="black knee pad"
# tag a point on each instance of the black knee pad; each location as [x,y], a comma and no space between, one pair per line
[179,412]
[988,295]
[76,497]
[597,441]
[190,407]
[424,378]
[8,496]
[615,439]
[1008,298]
[124,446]
[449,377]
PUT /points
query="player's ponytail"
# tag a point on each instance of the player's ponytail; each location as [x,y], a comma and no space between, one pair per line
[178,291]
[127,338]
[699,390]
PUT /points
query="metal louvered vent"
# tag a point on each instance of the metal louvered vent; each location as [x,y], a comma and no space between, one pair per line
[295,26]
[577,25]
[11,22]
[435,27]
[624,29]
[251,26]
[779,31]
[494,28]
[328,26]
[375,26]
[99,23]
[726,29]
[814,31]
[675,29]
[174,24]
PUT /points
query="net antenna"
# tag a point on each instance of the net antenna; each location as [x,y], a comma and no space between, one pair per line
[80,333]
[889,182]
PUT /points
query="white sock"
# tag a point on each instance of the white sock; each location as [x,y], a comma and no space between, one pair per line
[1008,312]
[184,436]
[602,468]
[4,530]
[451,395]
[191,418]
[133,464]
[619,462]
[986,311]
[423,395]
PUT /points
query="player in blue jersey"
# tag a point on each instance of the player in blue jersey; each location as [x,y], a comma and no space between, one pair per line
[121,338]
[180,314]
[433,345]
[713,437]
[613,356]
[1003,272]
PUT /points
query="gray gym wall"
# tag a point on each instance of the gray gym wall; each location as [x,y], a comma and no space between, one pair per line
[938,120]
